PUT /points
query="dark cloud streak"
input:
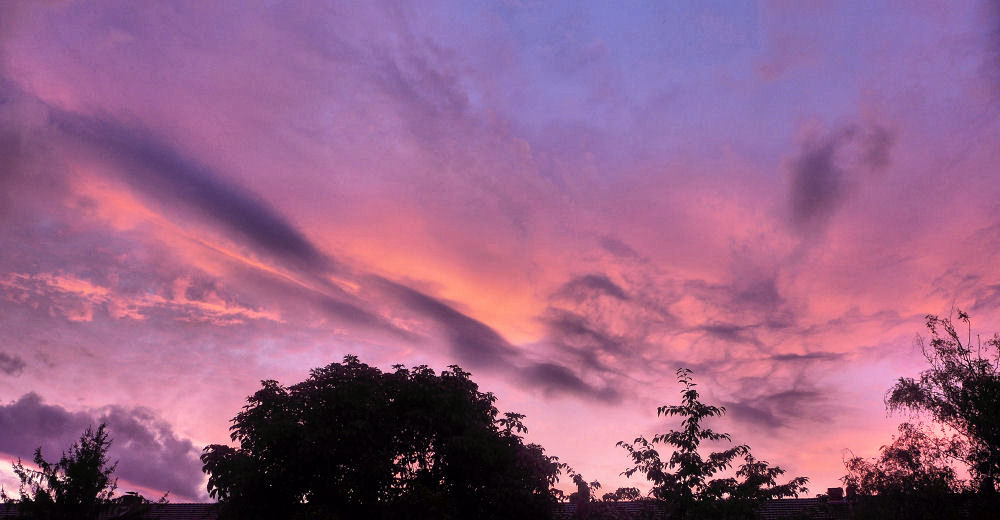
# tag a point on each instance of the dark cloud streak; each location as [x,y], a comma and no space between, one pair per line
[730,333]
[825,171]
[160,171]
[567,327]
[557,378]
[817,182]
[812,356]
[592,284]
[618,248]
[778,409]
[472,341]
[479,346]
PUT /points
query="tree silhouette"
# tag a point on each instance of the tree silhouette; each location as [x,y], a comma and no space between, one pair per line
[74,488]
[912,477]
[585,506]
[622,494]
[352,441]
[585,491]
[685,483]
[916,463]
[961,389]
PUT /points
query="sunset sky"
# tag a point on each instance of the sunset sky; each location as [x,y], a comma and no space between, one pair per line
[569,200]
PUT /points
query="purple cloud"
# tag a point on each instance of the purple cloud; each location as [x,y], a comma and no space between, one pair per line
[11,364]
[148,451]
[822,176]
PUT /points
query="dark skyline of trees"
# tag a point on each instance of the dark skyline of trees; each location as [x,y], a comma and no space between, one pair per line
[353,440]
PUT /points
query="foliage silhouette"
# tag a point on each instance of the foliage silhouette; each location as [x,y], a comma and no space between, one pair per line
[685,483]
[74,488]
[917,462]
[585,506]
[583,500]
[622,494]
[585,491]
[912,478]
[961,389]
[351,440]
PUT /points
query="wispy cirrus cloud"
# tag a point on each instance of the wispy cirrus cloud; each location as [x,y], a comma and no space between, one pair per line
[76,299]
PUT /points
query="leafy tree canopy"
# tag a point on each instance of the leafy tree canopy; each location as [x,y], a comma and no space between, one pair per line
[622,494]
[911,478]
[585,491]
[961,389]
[685,481]
[352,440]
[75,487]
[916,463]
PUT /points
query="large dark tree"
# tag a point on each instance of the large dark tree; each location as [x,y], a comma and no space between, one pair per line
[352,441]
[685,481]
[74,488]
[961,389]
